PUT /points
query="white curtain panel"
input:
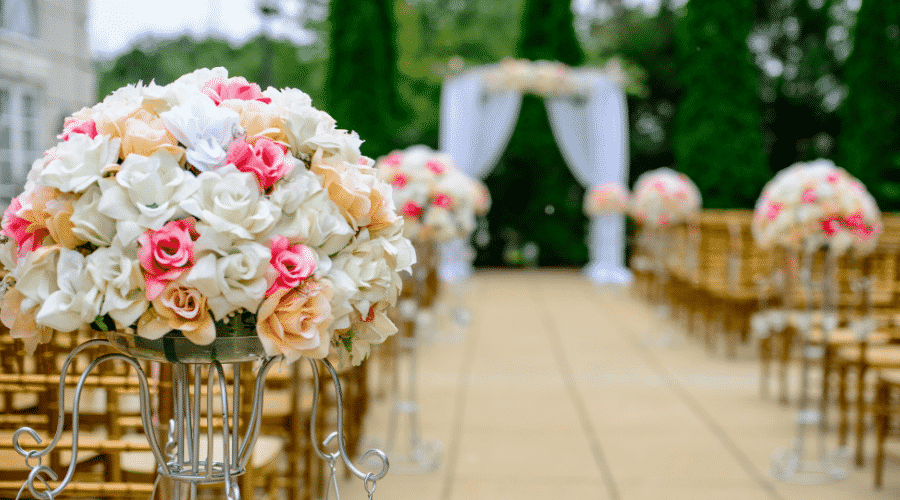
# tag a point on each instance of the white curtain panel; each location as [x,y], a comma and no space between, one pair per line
[592,137]
[476,124]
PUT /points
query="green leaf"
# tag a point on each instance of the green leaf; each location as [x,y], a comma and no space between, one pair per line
[347,341]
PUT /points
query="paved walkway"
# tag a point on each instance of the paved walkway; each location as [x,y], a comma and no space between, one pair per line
[552,393]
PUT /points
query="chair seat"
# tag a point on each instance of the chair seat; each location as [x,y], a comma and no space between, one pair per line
[11,460]
[884,356]
[890,376]
[265,451]
[846,336]
[20,401]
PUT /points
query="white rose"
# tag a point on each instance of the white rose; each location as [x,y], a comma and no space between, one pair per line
[89,223]
[336,142]
[206,130]
[76,300]
[302,123]
[288,98]
[441,222]
[316,223]
[145,194]
[77,163]
[373,265]
[234,280]
[160,99]
[117,274]
[200,76]
[228,200]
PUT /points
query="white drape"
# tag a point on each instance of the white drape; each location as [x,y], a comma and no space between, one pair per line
[476,126]
[592,137]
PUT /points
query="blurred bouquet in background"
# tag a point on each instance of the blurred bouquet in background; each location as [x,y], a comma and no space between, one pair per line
[606,198]
[662,197]
[813,204]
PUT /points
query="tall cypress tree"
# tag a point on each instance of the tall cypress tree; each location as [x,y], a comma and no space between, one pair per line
[535,197]
[869,144]
[361,80]
[718,140]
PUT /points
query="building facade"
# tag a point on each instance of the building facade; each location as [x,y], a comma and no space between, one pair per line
[46,73]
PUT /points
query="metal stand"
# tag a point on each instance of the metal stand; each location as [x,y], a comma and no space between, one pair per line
[796,464]
[416,455]
[660,245]
[181,459]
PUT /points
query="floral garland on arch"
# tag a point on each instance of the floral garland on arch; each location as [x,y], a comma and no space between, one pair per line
[606,198]
[813,204]
[662,197]
[437,200]
[185,206]
[543,78]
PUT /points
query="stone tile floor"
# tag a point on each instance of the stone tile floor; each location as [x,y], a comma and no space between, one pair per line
[554,392]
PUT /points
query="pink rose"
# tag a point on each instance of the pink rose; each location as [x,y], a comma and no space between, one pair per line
[773,211]
[436,167]
[855,221]
[295,322]
[88,128]
[411,209]
[442,201]
[809,196]
[27,235]
[831,225]
[180,308]
[394,159]
[234,88]
[264,158]
[290,264]
[400,180]
[166,254]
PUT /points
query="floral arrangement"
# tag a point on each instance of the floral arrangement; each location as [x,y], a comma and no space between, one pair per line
[481,196]
[187,206]
[664,196]
[543,78]
[814,204]
[606,198]
[436,200]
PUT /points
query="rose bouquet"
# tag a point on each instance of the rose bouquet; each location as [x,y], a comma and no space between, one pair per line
[664,196]
[544,78]
[186,207]
[606,198]
[813,204]
[436,200]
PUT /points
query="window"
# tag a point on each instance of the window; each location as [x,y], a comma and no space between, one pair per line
[19,142]
[19,16]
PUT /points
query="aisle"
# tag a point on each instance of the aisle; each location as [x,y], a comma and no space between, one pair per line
[553,394]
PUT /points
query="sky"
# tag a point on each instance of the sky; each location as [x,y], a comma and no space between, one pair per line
[115,25]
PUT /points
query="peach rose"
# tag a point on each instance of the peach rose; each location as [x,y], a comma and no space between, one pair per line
[55,209]
[295,322]
[145,136]
[346,187]
[20,321]
[383,213]
[258,118]
[179,307]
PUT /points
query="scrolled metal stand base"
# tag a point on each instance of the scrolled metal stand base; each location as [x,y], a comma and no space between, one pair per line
[181,459]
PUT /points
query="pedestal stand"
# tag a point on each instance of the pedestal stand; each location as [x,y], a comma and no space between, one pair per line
[189,457]
[661,334]
[799,464]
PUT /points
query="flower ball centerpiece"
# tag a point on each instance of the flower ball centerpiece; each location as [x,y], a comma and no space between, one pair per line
[813,204]
[199,206]
[606,198]
[662,197]
[436,200]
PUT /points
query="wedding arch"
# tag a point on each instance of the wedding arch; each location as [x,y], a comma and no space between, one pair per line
[588,116]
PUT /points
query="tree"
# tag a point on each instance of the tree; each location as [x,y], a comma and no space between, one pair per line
[535,197]
[361,82]
[869,144]
[718,141]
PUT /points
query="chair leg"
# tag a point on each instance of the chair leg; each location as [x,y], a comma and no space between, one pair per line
[827,356]
[843,404]
[787,337]
[861,413]
[765,358]
[882,403]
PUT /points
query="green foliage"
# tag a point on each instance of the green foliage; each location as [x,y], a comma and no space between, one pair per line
[535,197]
[718,141]
[360,86]
[165,61]
[869,144]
